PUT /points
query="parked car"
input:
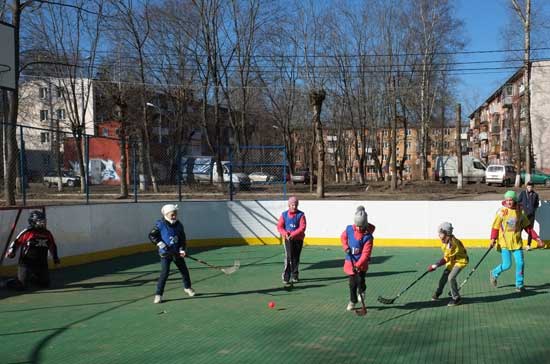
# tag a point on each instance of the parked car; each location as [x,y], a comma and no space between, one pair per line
[504,175]
[537,177]
[261,177]
[303,176]
[68,178]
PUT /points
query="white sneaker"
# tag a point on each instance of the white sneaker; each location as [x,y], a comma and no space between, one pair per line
[350,306]
[189,291]
[360,297]
[158,299]
[528,247]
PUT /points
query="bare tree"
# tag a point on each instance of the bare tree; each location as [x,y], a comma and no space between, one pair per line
[438,35]
[71,37]
[310,28]
[133,29]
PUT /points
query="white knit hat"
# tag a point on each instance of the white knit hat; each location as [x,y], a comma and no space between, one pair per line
[166,209]
[445,228]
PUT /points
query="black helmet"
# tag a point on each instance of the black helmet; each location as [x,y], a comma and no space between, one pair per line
[37,219]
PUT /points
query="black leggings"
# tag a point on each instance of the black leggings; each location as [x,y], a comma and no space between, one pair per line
[357,285]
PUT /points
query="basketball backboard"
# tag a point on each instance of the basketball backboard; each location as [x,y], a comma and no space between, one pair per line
[7,56]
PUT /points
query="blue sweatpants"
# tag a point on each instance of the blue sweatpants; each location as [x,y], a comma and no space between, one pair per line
[507,263]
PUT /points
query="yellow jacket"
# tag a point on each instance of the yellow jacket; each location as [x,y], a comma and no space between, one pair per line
[454,253]
[510,223]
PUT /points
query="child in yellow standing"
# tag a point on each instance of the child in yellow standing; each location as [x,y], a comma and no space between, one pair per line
[506,230]
[455,258]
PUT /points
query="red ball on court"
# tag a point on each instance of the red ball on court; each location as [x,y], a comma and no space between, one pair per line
[271,304]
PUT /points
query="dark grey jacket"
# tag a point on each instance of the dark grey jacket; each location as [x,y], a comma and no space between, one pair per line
[529,202]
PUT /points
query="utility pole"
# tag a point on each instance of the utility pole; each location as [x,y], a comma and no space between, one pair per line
[458,148]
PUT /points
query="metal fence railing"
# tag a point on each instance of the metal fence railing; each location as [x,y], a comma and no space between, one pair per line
[49,169]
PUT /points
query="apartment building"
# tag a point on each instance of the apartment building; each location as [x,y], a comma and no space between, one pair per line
[340,151]
[492,124]
[48,109]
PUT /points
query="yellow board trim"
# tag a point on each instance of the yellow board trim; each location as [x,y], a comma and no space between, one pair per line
[204,243]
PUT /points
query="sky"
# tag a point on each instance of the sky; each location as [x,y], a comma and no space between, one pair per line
[484,21]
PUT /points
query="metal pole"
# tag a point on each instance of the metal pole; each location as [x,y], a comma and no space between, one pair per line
[134,167]
[178,177]
[22,166]
[87,168]
[230,175]
[284,172]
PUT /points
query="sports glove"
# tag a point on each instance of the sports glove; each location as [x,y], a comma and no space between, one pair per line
[493,241]
[161,245]
[182,253]
[355,270]
[347,251]
[540,244]
[56,260]
[432,267]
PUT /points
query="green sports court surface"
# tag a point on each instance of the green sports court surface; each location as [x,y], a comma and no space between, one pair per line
[103,313]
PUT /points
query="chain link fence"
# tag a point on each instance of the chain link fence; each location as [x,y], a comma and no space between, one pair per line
[51,165]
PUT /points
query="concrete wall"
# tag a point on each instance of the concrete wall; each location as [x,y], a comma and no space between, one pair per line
[91,232]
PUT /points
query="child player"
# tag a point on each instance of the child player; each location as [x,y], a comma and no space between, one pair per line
[34,242]
[169,237]
[454,258]
[357,241]
[508,224]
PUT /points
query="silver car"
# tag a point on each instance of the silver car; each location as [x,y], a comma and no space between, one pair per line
[504,175]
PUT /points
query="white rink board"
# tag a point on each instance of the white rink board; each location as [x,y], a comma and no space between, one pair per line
[87,229]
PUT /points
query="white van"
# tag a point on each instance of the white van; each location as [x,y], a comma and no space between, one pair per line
[203,169]
[446,169]
[504,175]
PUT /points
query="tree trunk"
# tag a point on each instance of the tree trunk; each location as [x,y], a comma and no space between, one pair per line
[316,98]
[393,183]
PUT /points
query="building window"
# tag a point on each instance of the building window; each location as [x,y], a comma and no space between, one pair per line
[509,90]
[408,145]
[409,132]
[61,114]
[386,145]
[59,91]
[105,132]
[43,92]
[408,157]
[44,137]
[43,115]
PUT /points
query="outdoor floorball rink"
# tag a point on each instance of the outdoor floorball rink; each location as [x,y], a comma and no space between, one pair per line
[102,311]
